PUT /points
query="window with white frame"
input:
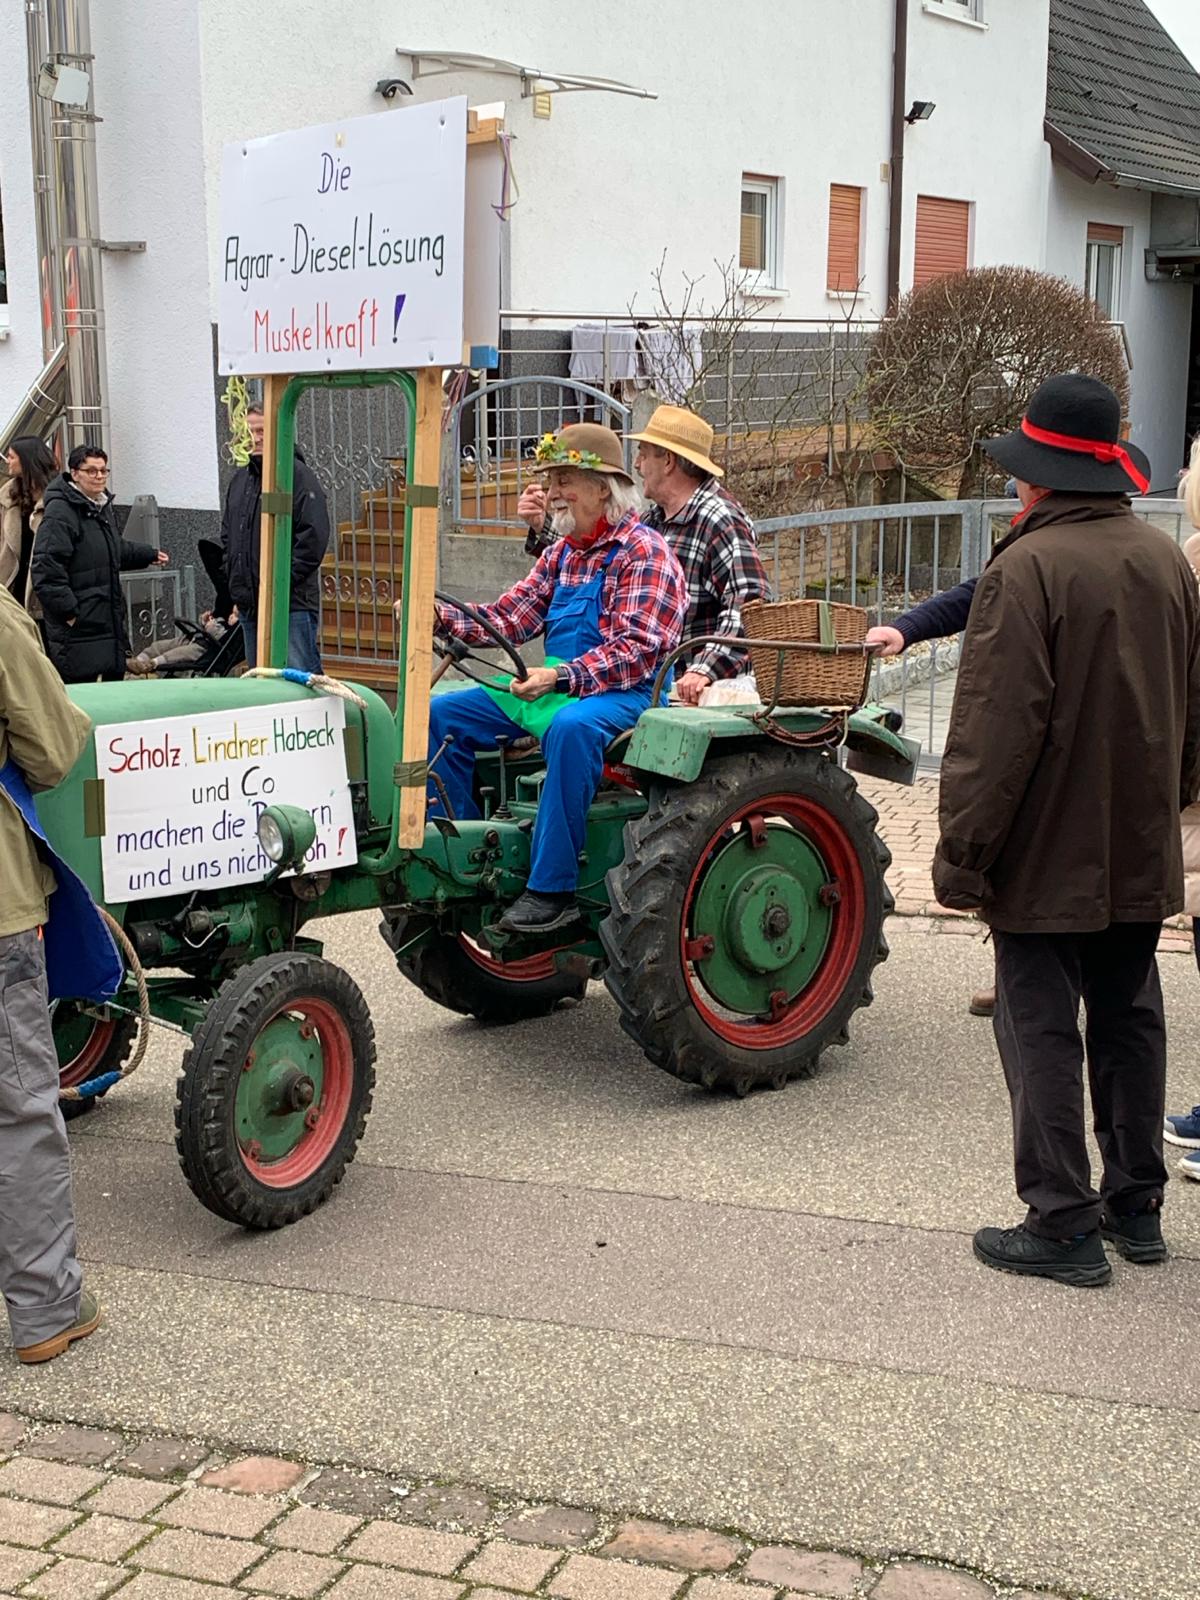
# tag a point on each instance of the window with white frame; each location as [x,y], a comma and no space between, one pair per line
[969,8]
[1105,244]
[758,239]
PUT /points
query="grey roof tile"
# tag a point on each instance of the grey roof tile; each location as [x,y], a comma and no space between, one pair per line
[1120,88]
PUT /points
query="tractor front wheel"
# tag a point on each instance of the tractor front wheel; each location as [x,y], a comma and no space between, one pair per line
[747,917]
[462,976]
[88,1046]
[274,1093]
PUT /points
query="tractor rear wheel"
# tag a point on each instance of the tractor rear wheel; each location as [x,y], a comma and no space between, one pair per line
[747,917]
[88,1046]
[274,1092]
[462,976]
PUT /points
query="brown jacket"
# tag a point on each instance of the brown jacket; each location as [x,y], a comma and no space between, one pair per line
[1191,817]
[44,733]
[10,543]
[1074,742]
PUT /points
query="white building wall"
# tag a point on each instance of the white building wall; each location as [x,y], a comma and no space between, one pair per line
[151,176]
[800,92]
[21,353]
[984,143]
[1157,316]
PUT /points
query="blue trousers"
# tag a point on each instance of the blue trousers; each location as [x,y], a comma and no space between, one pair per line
[303,651]
[573,748]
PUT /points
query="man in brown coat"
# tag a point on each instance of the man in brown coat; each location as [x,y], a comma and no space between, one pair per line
[1074,744]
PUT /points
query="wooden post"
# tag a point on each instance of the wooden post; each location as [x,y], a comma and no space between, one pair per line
[273,388]
[421,568]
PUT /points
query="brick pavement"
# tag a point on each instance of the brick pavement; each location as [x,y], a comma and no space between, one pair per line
[87,1514]
[908,826]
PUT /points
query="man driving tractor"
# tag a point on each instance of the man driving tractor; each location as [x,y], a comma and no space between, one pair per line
[611,600]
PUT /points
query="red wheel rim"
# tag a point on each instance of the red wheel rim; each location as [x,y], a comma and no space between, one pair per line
[533,969]
[812,1005]
[90,1058]
[315,1145]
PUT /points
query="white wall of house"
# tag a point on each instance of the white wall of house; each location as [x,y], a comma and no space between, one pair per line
[800,93]
[160,354]
[1157,316]
[21,352]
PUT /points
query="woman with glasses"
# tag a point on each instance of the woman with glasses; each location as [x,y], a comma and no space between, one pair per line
[78,559]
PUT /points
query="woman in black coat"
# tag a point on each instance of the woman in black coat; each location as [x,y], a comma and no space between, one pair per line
[78,558]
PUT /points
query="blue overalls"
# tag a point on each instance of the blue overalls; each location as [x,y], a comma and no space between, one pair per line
[573,743]
[82,962]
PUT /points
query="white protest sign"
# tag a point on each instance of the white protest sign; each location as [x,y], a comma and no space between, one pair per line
[183,795]
[342,245]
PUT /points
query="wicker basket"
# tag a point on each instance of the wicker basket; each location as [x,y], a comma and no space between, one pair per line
[808,677]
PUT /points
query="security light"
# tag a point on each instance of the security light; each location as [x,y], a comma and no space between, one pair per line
[921,111]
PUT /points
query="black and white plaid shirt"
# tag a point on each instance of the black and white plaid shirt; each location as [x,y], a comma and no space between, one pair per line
[715,544]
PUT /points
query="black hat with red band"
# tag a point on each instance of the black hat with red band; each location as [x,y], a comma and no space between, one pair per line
[1070,441]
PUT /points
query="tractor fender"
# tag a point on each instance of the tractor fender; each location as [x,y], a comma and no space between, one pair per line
[674,741]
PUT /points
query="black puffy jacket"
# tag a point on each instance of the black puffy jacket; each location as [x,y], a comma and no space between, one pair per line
[241,528]
[78,558]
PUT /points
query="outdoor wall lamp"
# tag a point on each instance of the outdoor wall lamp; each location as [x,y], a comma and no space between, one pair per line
[921,111]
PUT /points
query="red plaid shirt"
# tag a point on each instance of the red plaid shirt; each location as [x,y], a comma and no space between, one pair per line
[644,600]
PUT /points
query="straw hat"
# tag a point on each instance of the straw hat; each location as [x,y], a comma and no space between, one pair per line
[586,446]
[684,434]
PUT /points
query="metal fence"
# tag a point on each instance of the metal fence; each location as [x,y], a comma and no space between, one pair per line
[356,440]
[890,558]
[153,599]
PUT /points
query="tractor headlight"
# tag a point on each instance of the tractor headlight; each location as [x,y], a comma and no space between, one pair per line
[286,834]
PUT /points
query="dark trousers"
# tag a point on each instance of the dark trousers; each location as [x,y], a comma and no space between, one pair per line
[1040,980]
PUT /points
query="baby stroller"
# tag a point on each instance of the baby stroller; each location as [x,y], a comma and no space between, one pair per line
[212,647]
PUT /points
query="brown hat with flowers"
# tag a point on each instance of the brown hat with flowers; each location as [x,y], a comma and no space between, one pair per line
[587,446]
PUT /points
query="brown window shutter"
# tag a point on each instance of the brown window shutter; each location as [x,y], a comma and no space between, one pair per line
[845,227]
[943,238]
[1105,233]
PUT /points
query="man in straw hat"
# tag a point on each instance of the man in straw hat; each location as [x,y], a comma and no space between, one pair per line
[1073,745]
[712,537]
[610,598]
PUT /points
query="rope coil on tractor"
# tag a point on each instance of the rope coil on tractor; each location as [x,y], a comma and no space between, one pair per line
[311,680]
[95,1087]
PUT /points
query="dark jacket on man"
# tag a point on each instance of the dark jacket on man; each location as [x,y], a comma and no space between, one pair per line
[1075,737]
[240,531]
[78,558]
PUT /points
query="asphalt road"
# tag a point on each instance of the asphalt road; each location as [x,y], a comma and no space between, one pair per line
[553,1270]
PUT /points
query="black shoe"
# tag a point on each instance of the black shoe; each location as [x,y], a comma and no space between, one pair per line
[1079,1262]
[1138,1237]
[539,913]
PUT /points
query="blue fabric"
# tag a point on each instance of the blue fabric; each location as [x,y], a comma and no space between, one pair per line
[944,614]
[303,650]
[82,961]
[573,747]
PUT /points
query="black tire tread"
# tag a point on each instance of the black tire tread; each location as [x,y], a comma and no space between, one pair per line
[204,1137]
[447,976]
[645,894]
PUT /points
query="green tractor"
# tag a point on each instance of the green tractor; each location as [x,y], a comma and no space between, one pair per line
[732,886]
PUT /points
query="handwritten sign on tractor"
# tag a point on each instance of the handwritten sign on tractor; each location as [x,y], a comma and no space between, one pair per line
[183,795]
[342,246]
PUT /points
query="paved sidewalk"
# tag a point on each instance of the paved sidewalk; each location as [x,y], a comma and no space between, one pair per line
[87,1513]
[908,823]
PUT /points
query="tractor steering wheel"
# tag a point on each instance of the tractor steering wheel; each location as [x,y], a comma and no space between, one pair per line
[454,652]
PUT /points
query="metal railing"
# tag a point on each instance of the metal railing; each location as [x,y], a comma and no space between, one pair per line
[504,420]
[153,598]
